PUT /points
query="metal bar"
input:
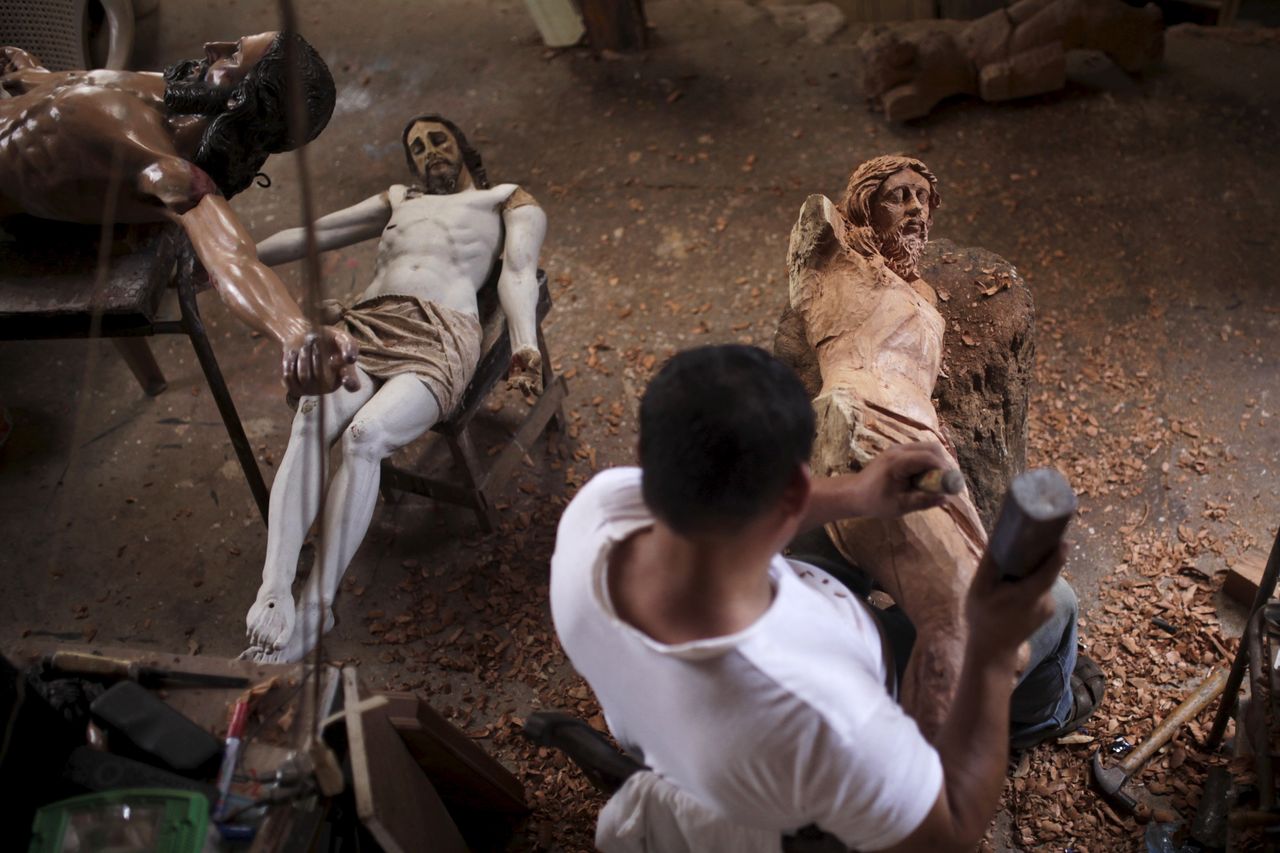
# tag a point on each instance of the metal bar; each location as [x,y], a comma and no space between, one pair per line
[1255,724]
[221,396]
[1266,588]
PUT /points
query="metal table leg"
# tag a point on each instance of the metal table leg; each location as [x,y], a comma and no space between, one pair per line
[213,375]
[1227,705]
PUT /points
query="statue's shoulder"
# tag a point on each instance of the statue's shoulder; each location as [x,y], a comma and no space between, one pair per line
[397,194]
[513,196]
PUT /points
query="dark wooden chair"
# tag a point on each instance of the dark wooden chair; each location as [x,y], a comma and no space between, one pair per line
[479,484]
[65,281]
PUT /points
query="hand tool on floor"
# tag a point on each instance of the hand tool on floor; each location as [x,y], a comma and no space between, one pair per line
[81,663]
[937,481]
[1113,780]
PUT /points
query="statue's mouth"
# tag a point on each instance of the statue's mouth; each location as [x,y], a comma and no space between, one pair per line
[913,226]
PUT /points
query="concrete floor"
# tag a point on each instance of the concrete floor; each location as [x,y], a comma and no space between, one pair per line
[1143,215]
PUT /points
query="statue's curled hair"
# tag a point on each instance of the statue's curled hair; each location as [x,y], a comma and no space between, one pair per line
[863,183]
[250,121]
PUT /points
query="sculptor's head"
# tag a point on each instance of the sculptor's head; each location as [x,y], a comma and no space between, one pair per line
[439,156]
[725,437]
[889,206]
[244,87]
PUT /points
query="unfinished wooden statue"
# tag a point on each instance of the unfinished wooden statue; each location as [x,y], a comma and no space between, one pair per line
[877,335]
[418,329]
[1014,52]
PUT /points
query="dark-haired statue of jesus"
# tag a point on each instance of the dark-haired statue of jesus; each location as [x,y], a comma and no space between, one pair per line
[417,325]
[85,146]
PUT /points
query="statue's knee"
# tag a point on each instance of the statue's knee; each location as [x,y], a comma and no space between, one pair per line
[365,440]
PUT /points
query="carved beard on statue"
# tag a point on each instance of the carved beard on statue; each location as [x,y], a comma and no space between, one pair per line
[187,93]
[902,247]
[441,181]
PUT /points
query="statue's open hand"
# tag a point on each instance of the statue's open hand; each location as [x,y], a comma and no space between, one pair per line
[525,373]
[885,486]
[319,362]
[16,59]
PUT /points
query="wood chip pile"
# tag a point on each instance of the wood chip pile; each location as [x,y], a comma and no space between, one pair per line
[1155,631]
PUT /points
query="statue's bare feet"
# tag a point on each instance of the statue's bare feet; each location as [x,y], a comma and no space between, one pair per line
[301,640]
[526,371]
[269,623]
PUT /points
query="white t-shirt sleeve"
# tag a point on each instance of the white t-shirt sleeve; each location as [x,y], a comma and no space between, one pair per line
[870,790]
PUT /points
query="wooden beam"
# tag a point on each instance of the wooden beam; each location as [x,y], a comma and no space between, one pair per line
[614,24]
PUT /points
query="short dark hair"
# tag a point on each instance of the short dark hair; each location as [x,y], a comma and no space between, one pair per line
[723,430]
[470,156]
[239,138]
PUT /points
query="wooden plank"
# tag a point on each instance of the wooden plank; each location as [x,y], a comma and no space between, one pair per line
[466,776]
[394,799]
[614,24]
[966,10]
[520,443]
[1244,577]
[440,490]
[888,10]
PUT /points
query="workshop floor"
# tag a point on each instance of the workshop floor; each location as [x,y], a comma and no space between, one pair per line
[1143,215]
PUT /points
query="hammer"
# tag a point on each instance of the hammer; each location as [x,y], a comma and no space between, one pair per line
[1112,780]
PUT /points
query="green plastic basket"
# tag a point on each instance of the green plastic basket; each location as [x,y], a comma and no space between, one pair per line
[131,820]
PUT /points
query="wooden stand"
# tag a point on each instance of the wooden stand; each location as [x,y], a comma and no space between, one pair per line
[480,485]
[617,25]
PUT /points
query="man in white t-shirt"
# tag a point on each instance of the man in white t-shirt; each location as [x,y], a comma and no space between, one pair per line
[755,684]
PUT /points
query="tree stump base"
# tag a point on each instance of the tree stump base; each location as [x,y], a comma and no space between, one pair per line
[988,355]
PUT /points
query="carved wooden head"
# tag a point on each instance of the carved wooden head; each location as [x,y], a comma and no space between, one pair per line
[889,207]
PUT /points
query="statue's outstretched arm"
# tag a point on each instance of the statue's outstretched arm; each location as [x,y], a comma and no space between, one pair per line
[353,224]
[526,225]
[310,363]
[815,241]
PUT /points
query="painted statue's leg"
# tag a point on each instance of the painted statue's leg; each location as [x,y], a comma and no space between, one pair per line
[399,412]
[295,501]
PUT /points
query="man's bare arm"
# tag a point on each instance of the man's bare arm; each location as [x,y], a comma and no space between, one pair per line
[880,490]
[345,227]
[526,225]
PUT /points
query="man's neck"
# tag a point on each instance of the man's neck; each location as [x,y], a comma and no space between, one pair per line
[677,590]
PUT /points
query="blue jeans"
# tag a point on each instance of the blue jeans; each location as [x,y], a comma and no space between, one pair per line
[1041,701]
